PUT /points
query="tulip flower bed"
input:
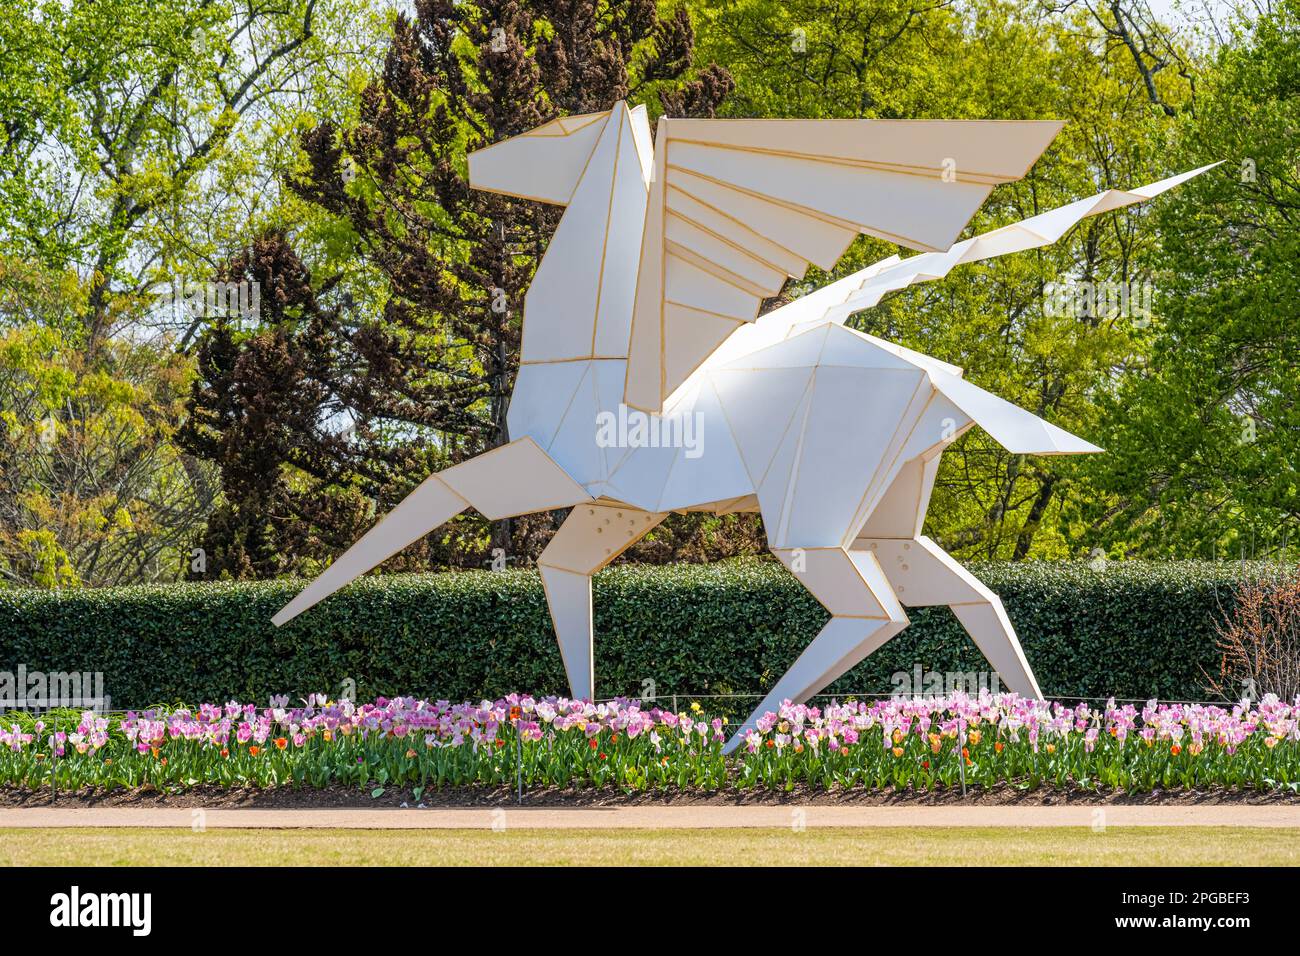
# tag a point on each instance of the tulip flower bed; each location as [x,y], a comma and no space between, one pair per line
[904,744]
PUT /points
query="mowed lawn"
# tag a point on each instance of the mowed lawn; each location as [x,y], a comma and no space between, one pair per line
[895,846]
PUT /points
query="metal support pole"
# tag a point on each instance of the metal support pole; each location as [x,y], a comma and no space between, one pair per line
[54,758]
[961,753]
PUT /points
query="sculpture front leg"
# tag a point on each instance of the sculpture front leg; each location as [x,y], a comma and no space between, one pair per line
[591,537]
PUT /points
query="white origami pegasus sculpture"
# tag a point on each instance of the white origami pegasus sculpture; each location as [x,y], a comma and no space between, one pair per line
[642,321]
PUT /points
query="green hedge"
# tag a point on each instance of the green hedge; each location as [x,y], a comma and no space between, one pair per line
[1132,629]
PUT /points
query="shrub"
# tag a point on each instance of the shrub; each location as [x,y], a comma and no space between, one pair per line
[1134,630]
[1259,644]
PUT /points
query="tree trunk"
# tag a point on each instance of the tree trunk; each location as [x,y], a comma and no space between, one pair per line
[1025,539]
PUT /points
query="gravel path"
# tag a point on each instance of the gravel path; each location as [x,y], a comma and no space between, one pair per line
[655,817]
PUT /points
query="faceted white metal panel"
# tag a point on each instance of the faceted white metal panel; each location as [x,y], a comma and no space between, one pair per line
[759,405]
[900,512]
[714,471]
[573,447]
[591,537]
[844,583]
[1012,427]
[543,393]
[570,312]
[543,164]
[514,479]
[568,597]
[852,417]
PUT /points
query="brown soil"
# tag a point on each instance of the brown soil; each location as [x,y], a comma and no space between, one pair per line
[343,798]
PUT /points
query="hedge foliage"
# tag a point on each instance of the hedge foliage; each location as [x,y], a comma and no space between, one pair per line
[1133,630]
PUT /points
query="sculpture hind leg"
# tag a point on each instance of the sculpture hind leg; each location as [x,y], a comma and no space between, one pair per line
[592,536]
[923,575]
[513,479]
[864,615]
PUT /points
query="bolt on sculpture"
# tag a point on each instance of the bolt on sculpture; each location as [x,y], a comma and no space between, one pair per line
[641,329]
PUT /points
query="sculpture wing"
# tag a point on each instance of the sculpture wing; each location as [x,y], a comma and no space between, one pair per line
[864,289]
[737,206]
[1015,429]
